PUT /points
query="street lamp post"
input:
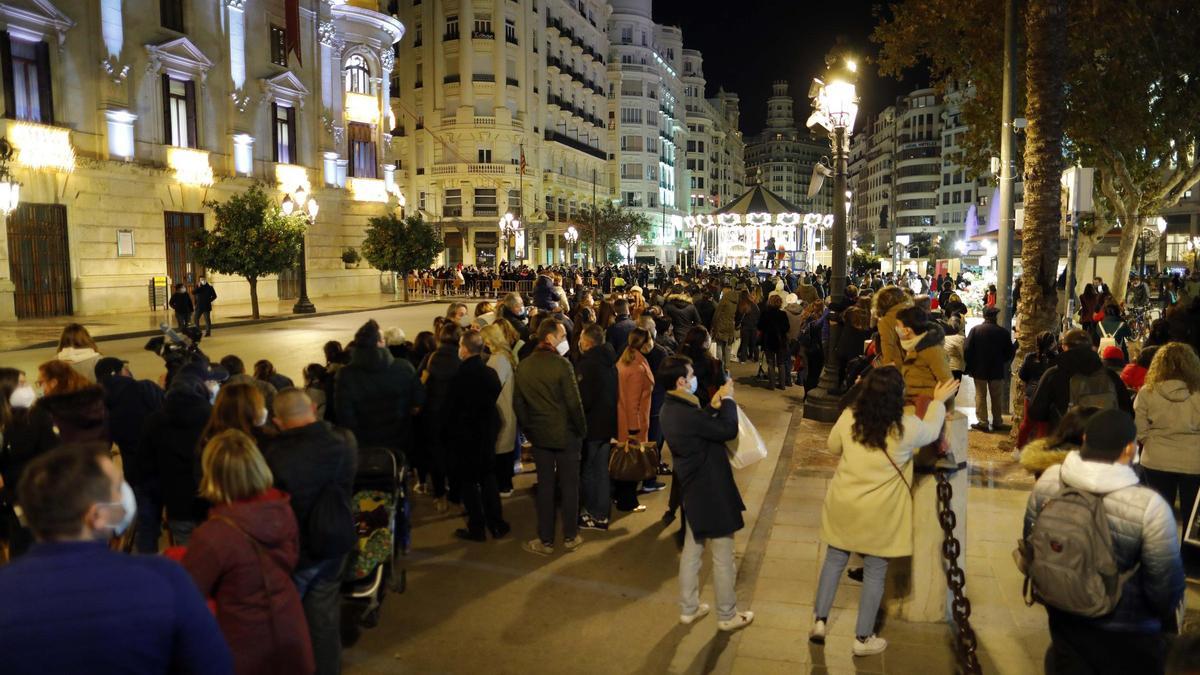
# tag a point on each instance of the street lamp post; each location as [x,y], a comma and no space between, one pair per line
[572,236]
[509,226]
[835,105]
[300,199]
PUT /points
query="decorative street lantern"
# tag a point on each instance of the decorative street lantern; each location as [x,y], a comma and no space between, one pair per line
[300,199]
[509,227]
[572,236]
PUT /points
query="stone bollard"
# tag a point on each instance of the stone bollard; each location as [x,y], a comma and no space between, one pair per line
[916,587]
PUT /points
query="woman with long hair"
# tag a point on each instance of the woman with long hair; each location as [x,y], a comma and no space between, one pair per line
[265,371]
[241,407]
[747,319]
[774,326]
[868,507]
[73,402]
[1167,412]
[501,359]
[243,557]
[1036,363]
[1089,303]
[635,384]
[1042,453]
[605,314]
[707,369]
[76,347]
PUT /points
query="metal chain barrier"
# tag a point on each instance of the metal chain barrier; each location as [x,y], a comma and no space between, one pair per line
[956,579]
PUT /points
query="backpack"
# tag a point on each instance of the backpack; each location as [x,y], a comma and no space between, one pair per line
[1107,340]
[1068,558]
[330,527]
[1094,390]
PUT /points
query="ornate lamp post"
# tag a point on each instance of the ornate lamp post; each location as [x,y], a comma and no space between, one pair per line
[509,227]
[308,206]
[835,105]
[572,236]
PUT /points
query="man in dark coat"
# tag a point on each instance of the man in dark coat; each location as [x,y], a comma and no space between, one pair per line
[437,374]
[471,424]
[308,457]
[988,351]
[618,333]
[205,294]
[181,302]
[597,375]
[712,505]
[549,411]
[130,402]
[682,312]
[1078,357]
[705,307]
[169,444]
[376,394]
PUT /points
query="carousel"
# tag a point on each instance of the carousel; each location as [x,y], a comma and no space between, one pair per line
[737,234]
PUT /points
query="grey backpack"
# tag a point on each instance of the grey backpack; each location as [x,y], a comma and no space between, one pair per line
[1094,390]
[1068,558]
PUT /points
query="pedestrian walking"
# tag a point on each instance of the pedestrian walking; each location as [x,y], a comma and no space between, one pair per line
[181,302]
[868,507]
[712,505]
[205,295]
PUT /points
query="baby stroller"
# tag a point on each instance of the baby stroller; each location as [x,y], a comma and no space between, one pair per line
[381,516]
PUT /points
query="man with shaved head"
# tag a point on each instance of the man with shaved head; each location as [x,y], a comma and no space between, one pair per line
[314,462]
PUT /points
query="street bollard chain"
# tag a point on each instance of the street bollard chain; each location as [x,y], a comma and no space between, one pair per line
[956,579]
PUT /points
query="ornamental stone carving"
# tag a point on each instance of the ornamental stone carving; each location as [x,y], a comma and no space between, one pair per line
[387,60]
[115,70]
[236,4]
[326,33]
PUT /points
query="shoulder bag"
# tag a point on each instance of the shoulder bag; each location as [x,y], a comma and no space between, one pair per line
[633,460]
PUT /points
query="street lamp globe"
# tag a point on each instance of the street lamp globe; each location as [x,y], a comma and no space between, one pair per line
[571,235]
[301,196]
[312,209]
[839,100]
[1162,224]
[287,206]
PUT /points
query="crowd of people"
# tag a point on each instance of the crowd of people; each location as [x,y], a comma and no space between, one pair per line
[240,474]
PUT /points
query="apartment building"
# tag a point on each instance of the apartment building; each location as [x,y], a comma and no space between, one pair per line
[781,157]
[715,150]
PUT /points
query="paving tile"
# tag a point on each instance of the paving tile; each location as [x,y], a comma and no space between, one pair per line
[786,590]
[775,644]
[910,658]
[792,550]
[783,616]
[837,654]
[795,533]
[783,568]
[748,665]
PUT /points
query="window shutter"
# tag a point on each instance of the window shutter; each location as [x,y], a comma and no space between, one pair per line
[45,92]
[166,101]
[189,89]
[10,91]
[292,141]
[274,132]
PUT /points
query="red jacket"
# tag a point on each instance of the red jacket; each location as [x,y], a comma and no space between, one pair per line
[227,567]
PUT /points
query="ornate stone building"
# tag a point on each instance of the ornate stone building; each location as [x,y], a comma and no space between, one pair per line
[128,115]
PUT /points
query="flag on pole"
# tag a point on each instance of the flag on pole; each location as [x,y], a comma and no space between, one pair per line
[522,160]
[291,12]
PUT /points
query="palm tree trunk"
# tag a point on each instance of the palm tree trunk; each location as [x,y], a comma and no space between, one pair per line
[1045,109]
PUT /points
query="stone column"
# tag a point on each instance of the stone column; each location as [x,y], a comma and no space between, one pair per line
[466,54]
[499,56]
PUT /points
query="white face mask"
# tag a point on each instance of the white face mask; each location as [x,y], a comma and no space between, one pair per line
[213,388]
[693,384]
[464,321]
[562,348]
[262,417]
[128,506]
[22,397]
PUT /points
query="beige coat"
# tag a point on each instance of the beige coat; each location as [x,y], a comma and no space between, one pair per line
[1168,423]
[868,507]
[506,439]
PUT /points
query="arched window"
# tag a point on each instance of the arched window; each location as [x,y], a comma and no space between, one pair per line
[358,76]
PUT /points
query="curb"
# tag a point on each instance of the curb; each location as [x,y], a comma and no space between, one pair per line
[238,323]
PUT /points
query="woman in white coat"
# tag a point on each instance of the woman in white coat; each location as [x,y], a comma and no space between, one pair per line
[868,507]
[501,359]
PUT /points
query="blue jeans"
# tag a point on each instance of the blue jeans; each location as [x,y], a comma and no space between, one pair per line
[595,484]
[181,531]
[874,575]
[147,526]
[320,593]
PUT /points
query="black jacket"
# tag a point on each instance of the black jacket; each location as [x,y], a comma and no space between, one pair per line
[617,334]
[706,308]
[597,376]
[181,302]
[205,294]
[29,434]
[712,505]
[774,325]
[988,350]
[1053,395]
[546,400]
[470,424]
[438,372]
[375,395]
[130,402]
[683,315]
[170,451]
[306,459]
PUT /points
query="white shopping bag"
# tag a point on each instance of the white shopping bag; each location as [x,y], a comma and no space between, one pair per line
[748,447]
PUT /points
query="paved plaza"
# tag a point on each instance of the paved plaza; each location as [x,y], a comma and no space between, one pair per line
[611,606]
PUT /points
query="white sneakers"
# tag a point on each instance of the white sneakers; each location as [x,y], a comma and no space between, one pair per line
[738,622]
[700,613]
[872,645]
[816,634]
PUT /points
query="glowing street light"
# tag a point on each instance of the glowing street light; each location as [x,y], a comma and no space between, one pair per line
[572,236]
[509,227]
[307,205]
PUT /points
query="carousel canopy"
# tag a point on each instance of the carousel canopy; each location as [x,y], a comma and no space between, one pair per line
[758,199]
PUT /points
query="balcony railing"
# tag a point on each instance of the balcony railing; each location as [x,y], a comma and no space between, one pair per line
[489,210]
[483,77]
[511,39]
[452,211]
[450,35]
[483,35]
[512,82]
[577,145]
[451,79]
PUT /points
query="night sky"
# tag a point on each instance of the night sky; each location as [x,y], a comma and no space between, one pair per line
[751,43]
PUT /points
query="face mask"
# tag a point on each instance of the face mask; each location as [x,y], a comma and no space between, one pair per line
[562,348]
[22,397]
[464,321]
[128,506]
[693,384]
[262,417]
[213,388]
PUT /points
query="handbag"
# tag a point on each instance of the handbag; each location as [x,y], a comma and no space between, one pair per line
[748,447]
[633,461]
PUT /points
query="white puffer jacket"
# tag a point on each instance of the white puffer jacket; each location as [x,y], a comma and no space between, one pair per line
[1143,532]
[1168,423]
